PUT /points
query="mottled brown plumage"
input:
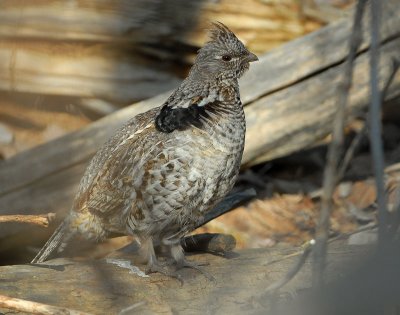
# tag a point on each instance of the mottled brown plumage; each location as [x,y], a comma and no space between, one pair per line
[161,172]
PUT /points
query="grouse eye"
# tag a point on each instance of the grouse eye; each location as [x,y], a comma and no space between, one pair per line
[226,58]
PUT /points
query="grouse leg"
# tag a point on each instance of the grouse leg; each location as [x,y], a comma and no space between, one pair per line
[153,265]
[178,255]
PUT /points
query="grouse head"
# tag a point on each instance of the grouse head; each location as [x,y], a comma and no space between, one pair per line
[223,56]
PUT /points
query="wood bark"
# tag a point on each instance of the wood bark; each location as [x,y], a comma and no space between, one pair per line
[290,98]
[110,285]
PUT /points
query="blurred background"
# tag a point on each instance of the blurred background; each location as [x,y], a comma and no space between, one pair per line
[64,64]
[67,65]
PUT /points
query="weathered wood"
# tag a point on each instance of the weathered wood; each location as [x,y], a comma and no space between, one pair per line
[308,56]
[102,287]
[123,51]
[260,23]
[88,71]
[296,117]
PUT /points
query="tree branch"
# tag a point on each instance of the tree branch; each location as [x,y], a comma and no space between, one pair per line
[335,149]
[375,121]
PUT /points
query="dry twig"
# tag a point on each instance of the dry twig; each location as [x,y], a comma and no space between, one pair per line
[129,309]
[292,272]
[35,308]
[361,133]
[300,262]
[395,68]
[375,121]
[335,149]
[41,219]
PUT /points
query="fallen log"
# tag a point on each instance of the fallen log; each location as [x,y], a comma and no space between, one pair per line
[111,285]
[289,97]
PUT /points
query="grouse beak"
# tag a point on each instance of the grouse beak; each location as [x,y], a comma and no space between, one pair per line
[251,57]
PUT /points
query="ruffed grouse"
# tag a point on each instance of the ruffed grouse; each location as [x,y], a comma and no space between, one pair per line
[163,170]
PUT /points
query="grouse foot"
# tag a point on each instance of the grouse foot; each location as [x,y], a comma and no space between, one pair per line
[197,266]
[160,268]
[178,255]
[153,265]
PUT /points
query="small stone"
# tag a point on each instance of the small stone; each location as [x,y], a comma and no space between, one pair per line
[344,189]
[6,136]
[364,238]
